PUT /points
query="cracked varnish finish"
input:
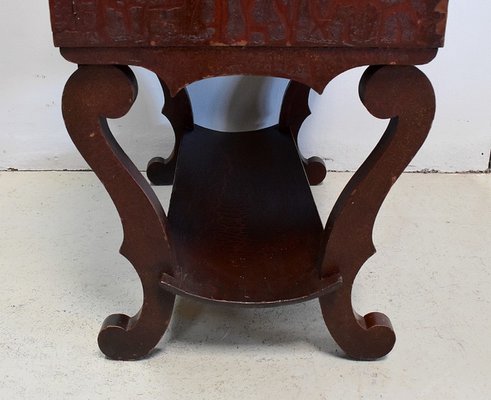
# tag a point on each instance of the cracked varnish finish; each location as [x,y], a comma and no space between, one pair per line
[326,23]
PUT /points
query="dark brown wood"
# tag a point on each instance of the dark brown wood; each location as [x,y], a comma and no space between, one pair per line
[93,94]
[315,68]
[225,219]
[243,228]
[326,23]
[179,112]
[404,95]
[294,111]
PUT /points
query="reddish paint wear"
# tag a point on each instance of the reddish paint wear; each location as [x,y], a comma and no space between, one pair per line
[242,227]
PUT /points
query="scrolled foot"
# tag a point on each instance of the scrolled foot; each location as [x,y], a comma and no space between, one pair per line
[315,169]
[115,342]
[160,171]
[362,338]
[93,94]
[294,111]
[179,112]
[404,95]
[125,338]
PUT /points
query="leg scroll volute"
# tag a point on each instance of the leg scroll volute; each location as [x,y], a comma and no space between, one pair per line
[179,112]
[294,111]
[405,95]
[91,95]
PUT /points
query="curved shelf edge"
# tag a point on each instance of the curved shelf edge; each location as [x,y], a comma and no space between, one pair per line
[327,285]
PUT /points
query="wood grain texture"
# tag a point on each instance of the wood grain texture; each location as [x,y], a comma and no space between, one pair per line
[406,96]
[91,95]
[243,227]
[313,67]
[329,23]
[243,221]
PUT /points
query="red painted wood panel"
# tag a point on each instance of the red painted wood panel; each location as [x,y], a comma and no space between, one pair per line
[327,23]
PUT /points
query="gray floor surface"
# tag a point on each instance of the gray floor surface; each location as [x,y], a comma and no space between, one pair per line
[61,275]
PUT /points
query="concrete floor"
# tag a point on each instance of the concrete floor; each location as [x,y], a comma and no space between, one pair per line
[61,275]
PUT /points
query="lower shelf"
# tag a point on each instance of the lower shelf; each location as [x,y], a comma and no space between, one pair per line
[243,222]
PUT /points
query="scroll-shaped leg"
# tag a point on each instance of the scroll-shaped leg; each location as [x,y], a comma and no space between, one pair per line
[179,112]
[294,111]
[404,94]
[92,94]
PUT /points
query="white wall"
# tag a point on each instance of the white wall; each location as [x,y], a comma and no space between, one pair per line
[32,75]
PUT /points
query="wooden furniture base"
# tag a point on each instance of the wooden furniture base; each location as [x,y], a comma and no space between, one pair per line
[242,226]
